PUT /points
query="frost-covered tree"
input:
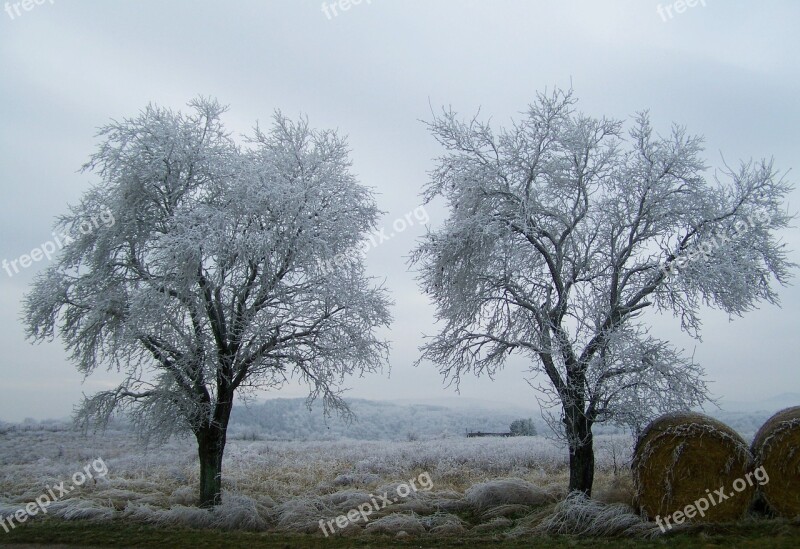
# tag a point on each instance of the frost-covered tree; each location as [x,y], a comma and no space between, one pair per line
[563,231]
[212,281]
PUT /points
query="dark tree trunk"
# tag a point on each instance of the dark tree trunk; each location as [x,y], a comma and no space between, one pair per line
[211,447]
[581,467]
[581,451]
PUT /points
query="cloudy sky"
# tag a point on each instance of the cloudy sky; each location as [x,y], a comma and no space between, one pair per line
[728,70]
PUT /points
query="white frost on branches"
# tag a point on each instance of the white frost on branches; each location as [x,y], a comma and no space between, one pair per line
[562,230]
[210,281]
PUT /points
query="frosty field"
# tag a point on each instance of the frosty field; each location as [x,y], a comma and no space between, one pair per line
[498,490]
[290,486]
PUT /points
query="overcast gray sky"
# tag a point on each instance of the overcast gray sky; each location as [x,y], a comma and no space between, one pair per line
[728,70]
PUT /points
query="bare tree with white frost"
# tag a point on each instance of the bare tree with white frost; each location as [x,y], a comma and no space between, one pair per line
[211,281]
[563,231]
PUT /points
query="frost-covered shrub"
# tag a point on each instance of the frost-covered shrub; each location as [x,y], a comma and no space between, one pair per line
[302,514]
[512,491]
[582,516]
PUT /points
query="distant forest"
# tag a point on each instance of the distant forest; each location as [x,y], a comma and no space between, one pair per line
[290,419]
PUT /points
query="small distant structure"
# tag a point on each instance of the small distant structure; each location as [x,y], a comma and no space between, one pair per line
[471,434]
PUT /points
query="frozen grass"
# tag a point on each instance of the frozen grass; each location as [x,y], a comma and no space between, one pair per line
[581,516]
[511,491]
[395,523]
[494,483]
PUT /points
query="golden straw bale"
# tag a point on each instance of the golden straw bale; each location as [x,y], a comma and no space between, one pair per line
[776,447]
[683,457]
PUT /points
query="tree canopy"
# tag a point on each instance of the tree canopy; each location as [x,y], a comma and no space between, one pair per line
[563,230]
[213,281]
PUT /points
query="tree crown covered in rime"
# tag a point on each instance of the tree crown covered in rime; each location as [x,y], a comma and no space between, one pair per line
[212,278]
[564,229]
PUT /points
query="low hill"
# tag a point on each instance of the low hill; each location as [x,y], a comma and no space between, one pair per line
[290,419]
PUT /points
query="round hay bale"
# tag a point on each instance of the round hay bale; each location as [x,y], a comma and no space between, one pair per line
[776,448]
[684,457]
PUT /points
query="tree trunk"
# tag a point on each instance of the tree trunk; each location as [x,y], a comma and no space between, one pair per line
[210,447]
[581,467]
[581,451]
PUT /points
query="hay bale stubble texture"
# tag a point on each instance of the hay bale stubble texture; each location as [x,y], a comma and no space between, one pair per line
[776,447]
[682,457]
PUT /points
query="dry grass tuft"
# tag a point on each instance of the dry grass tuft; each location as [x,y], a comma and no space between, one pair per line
[394,524]
[235,513]
[80,509]
[509,491]
[618,490]
[498,523]
[582,516]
